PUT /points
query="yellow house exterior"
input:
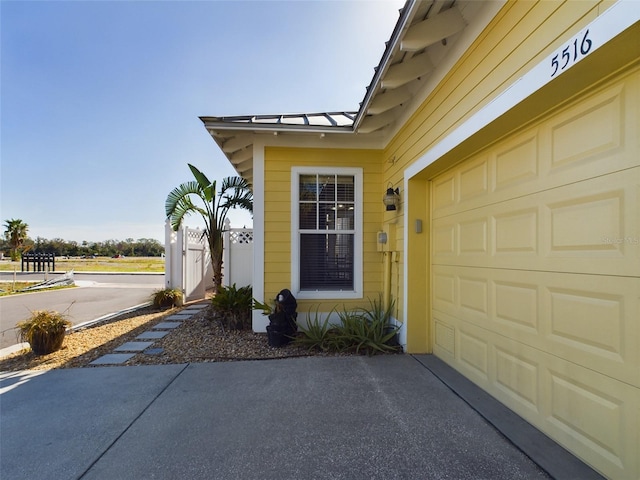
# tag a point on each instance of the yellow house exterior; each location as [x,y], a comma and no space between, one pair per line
[512,133]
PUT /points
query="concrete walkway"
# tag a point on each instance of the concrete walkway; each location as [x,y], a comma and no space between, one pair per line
[386,417]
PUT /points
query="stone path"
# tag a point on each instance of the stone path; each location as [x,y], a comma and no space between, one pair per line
[144,342]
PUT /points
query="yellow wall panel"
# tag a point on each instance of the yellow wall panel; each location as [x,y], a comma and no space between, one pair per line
[279,162]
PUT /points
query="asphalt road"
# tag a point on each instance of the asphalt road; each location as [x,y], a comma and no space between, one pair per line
[95,296]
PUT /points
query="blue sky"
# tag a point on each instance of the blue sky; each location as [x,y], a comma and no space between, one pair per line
[100,99]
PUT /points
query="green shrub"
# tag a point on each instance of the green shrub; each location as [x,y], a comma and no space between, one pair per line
[362,330]
[232,307]
[44,330]
[167,298]
[370,330]
[316,334]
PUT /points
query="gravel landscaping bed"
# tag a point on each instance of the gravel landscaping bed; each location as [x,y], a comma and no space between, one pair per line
[199,339]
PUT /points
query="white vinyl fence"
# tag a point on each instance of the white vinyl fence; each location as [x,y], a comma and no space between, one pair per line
[237,259]
[188,263]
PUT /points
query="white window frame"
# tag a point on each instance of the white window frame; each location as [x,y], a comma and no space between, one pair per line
[357,291]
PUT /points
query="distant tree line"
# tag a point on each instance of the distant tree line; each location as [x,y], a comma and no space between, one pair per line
[143,247]
[16,242]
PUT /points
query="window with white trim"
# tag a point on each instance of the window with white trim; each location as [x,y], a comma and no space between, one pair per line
[326,232]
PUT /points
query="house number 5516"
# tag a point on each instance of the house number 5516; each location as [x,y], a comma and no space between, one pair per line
[571,53]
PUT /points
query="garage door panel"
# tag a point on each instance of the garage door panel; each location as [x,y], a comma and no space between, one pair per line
[516,232]
[587,319]
[472,235]
[474,296]
[473,352]
[473,180]
[518,378]
[517,162]
[597,136]
[517,304]
[594,416]
[588,227]
[444,336]
[535,264]
[585,411]
[590,132]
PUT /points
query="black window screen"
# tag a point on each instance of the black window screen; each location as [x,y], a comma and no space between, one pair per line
[326,230]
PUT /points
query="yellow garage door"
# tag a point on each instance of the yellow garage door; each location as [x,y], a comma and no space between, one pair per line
[536,274]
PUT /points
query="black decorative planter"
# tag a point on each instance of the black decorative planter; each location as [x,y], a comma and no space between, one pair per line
[43,343]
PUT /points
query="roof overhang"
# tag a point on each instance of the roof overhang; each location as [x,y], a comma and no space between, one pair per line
[421,46]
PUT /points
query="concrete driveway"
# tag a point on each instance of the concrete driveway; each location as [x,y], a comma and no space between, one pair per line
[386,417]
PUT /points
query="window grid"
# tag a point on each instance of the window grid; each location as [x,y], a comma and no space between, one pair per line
[326,236]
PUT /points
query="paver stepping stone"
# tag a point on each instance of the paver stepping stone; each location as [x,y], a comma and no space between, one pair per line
[151,335]
[112,359]
[166,325]
[154,351]
[179,316]
[133,346]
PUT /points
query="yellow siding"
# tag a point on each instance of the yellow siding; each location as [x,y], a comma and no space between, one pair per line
[533,30]
[279,162]
[520,36]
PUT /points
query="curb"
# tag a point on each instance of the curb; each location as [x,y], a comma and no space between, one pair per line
[5,352]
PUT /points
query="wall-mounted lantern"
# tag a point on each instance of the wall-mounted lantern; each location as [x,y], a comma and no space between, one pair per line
[391,199]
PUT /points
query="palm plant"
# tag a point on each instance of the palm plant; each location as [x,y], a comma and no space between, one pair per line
[15,233]
[200,196]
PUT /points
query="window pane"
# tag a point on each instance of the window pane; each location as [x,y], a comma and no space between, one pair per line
[345,188]
[345,220]
[308,187]
[326,261]
[308,216]
[327,185]
[327,216]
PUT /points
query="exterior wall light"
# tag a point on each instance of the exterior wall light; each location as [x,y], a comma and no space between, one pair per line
[391,199]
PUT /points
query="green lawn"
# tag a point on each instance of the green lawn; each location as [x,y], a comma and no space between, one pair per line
[9,288]
[98,264]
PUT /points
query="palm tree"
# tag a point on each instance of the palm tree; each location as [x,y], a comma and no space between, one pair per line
[212,206]
[15,233]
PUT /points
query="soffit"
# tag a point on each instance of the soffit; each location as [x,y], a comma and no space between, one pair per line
[421,42]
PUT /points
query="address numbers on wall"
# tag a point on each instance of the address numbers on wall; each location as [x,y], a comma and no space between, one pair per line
[571,53]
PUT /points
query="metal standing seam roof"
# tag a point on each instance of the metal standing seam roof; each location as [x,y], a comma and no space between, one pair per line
[308,121]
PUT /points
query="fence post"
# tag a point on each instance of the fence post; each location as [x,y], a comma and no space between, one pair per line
[226,254]
[179,260]
[168,253]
